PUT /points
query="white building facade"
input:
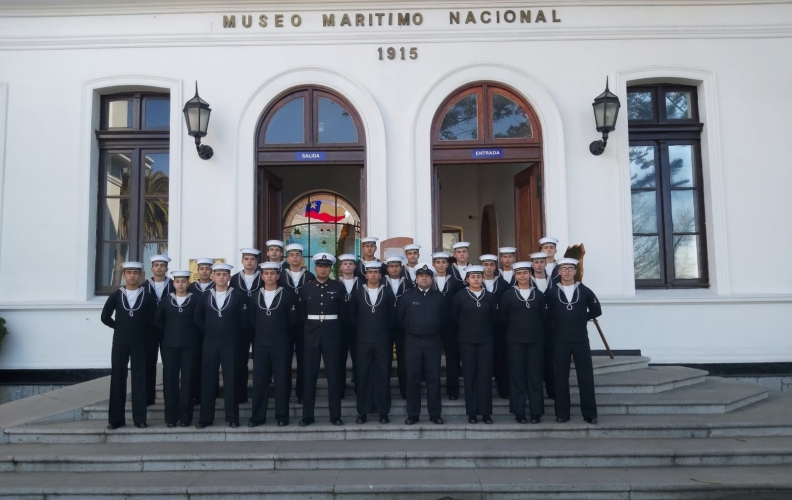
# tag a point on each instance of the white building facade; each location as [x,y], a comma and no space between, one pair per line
[410,169]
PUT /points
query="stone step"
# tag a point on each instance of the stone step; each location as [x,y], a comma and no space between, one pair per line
[389,454]
[640,483]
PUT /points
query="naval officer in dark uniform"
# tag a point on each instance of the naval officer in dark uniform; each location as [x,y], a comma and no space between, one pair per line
[398,284]
[273,312]
[496,285]
[197,288]
[571,305]
[158,286]
[544,284]
[274,249]
[368,250]
[129,311]
[448,287]
[248,280]
[506,270]
[421,314]
[372,310]
[346,271]
[324,311]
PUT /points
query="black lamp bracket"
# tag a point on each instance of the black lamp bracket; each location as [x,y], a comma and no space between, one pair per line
[204,151]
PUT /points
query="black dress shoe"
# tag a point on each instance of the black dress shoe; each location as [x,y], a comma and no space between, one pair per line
[592,421]
[436,420]
[254,424]
[299,401]
[113,427]
[384,419]
[411,421]
[486,419]
[305,422]
[233,425]
[536,420]
[283,423]
[521,419]
[561,420]
[184,424]
[149,403]
[361,419]
[472,420]
[141,425]
[171,426]
[453,398]
[201,425]
[336,421]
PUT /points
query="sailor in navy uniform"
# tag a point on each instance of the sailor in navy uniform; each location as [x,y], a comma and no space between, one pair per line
[448,286]
[248,281]
[474,311]
[372,311]
[197,288]
[549,245]
[544,283]
[294,277]
[571,305]
[398,284]
[221,313]
[496,285]
[176,317]
[275,253]
[273,312]
[522,310]
[507,258]
[461,256]
[346,269]
[159,286]
[421,314]
[412,252]
[324,311]
[368,249]
[129,311]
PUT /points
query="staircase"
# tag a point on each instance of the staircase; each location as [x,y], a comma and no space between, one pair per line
[664,433]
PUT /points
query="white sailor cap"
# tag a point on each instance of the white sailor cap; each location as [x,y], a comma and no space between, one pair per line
[488,256]
[324,259]
[548,239]
[159,258]
[274,243]
[507,250]
[567,261]
[461,244]
[132,265]
[373,264]
[440,255]
[395,258]
[474,270]
[181,274]
[295,246]
[537,255]
[222,267]
[369,239]
[412,247]
[424,269]
[250,251]
[203,261]
[270,265]
[347,256]
[521,266]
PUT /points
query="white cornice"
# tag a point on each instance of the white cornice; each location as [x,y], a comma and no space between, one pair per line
[38,8]
[434,36]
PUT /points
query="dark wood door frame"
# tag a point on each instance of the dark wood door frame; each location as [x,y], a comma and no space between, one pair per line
[528,220]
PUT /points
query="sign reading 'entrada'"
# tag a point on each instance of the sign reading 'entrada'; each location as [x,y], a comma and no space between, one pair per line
[331,20]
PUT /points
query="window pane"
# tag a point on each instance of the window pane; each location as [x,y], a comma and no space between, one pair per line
[287,125]
[683,211]
[644,212]
[678,105]
[681,160]
[117,168]
[686,257]
[460,122]
[640,106]
[322,239]
[156,166]
[115,219]
[155,219]
[157,113]
[297,234]
[642,166]
[110,268]
[647,257]
[119,114]
[151,249]
[509,119]
[335,122]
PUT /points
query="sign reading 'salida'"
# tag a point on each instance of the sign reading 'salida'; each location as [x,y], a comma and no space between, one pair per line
[374,19]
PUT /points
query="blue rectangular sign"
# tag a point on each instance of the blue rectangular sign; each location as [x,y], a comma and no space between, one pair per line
[310,156]
[482,154]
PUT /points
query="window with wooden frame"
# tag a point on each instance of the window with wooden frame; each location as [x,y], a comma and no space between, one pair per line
[134,171]
[669,241]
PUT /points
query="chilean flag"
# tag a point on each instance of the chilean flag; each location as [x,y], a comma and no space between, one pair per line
[324,211]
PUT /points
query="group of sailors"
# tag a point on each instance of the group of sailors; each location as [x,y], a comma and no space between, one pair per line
[519,322]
